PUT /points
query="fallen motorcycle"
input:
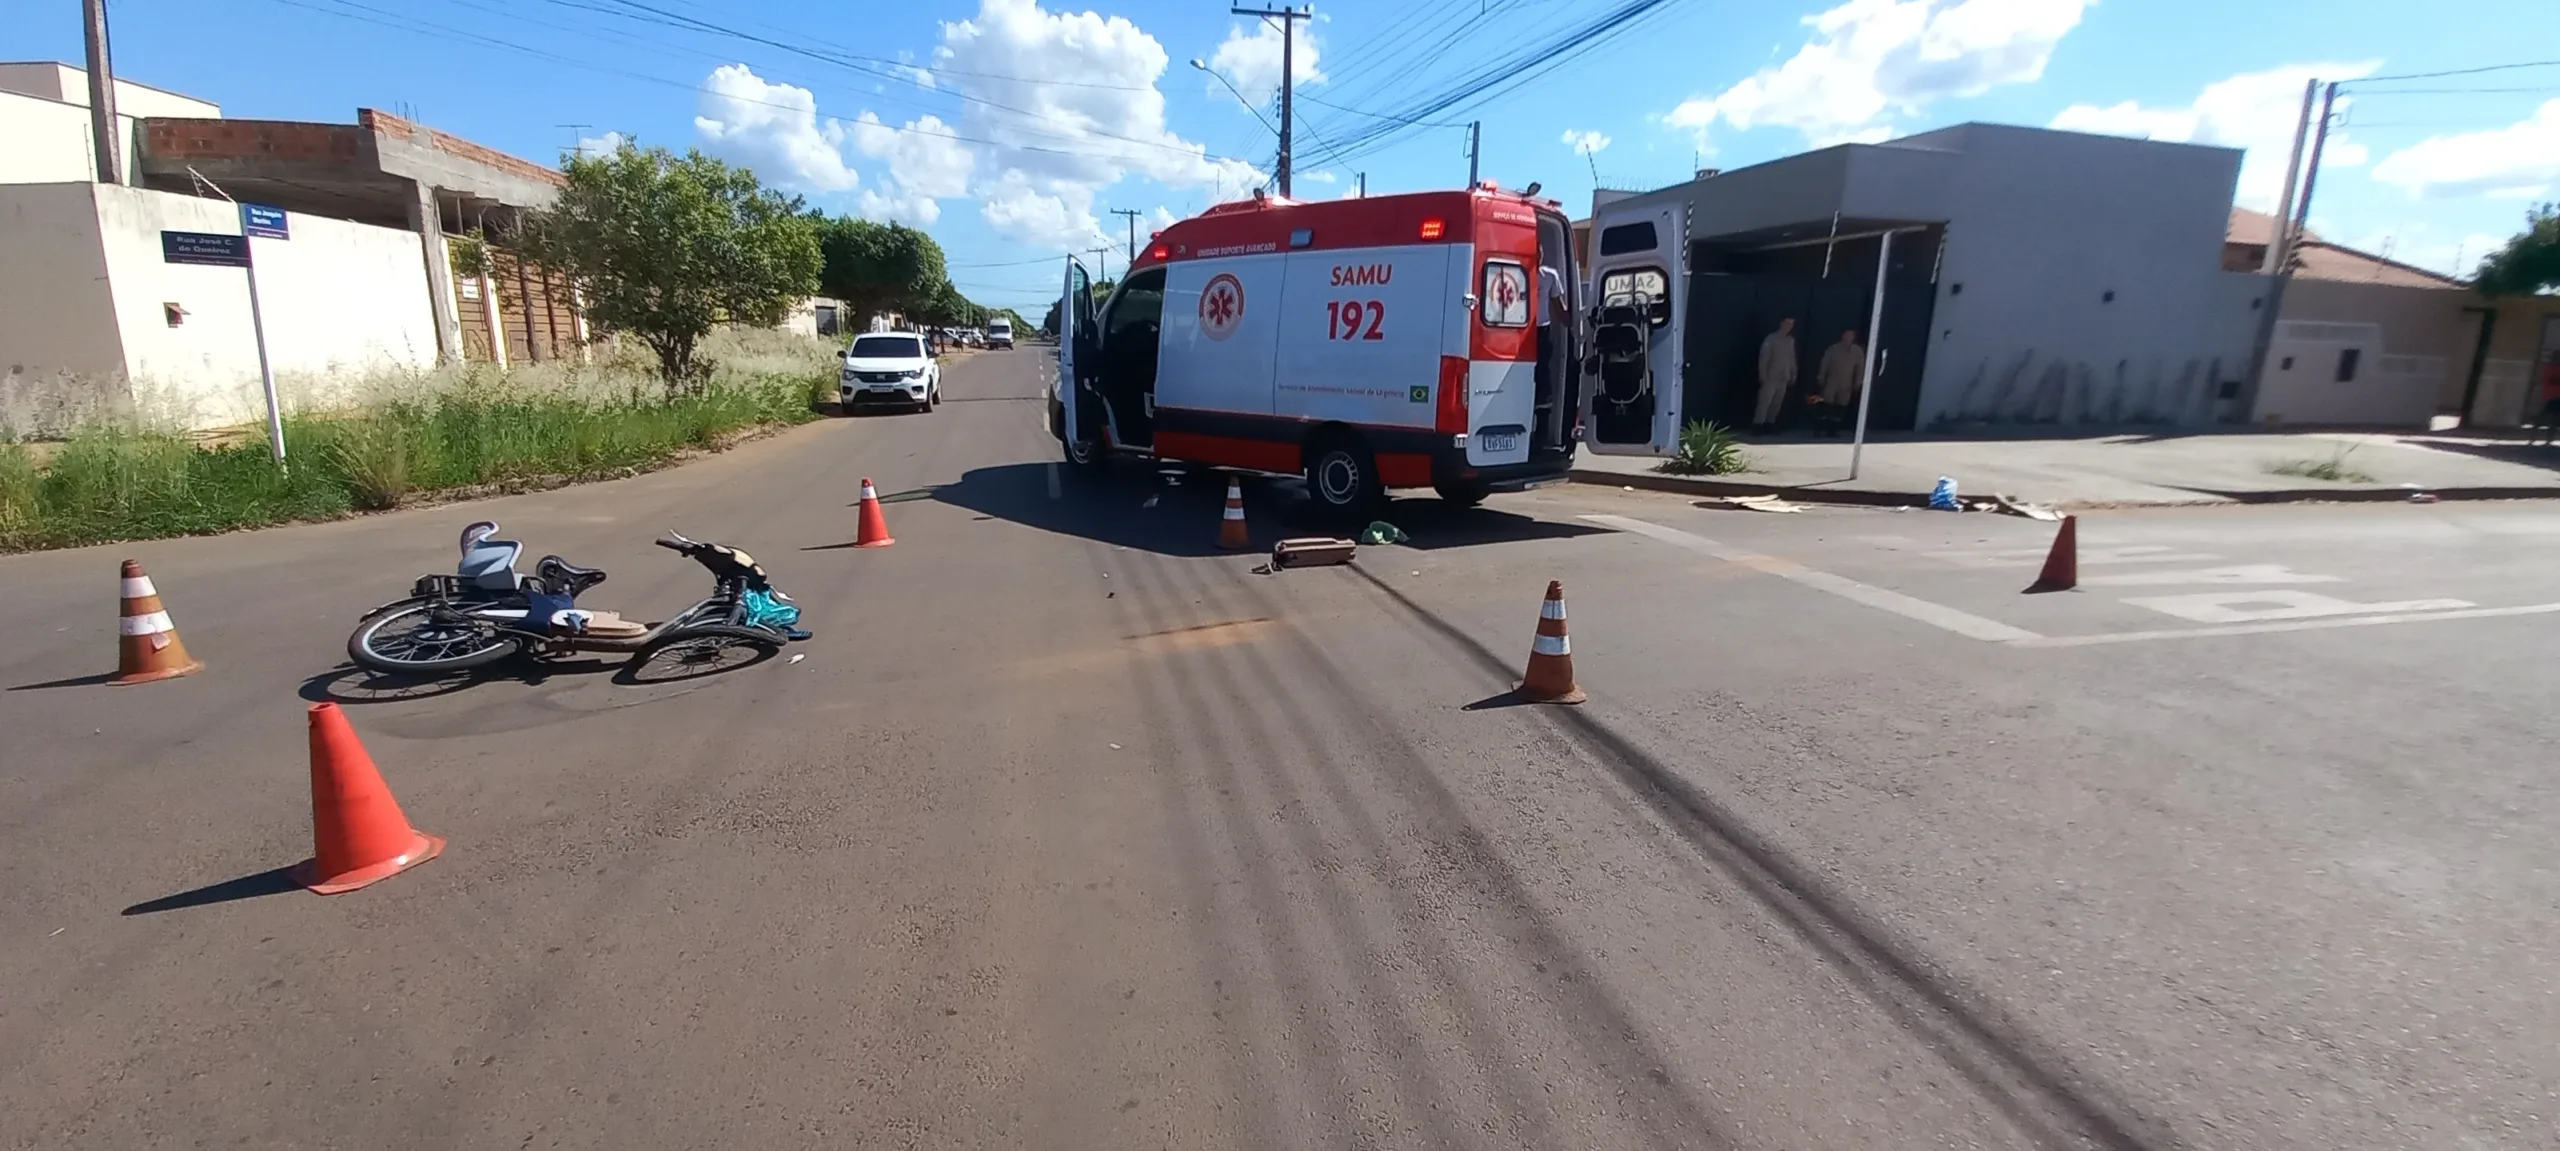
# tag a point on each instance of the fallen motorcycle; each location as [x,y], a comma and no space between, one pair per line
[485,611]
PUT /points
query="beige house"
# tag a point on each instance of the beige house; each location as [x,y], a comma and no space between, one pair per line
[2366,340]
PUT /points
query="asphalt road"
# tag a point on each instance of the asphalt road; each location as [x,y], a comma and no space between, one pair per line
[1071,831]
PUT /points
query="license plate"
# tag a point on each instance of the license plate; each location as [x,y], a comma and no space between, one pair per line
[1501,442]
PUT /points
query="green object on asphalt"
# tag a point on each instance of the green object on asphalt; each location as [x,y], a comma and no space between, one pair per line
[1382,532]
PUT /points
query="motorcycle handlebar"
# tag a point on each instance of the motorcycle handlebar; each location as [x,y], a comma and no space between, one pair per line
[678,544]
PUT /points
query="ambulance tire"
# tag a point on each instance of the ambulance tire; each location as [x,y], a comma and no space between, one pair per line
[1088,458]
[1342,477]
[1461,495]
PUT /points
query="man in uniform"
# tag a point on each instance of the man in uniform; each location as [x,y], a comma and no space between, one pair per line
[1777,374]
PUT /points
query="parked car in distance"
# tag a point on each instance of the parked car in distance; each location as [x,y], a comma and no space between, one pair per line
[890,368]
[1000,334]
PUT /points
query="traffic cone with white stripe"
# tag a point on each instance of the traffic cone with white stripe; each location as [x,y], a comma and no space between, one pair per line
[147,646]
[873,530]
[1231,533]
[1550,675]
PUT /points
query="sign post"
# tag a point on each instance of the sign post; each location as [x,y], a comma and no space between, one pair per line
[216,249]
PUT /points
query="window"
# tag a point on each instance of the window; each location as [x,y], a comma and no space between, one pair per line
[1506,295]
[889,347]
[1140,305]
[1626,284]
[2347,358]
[1625,238]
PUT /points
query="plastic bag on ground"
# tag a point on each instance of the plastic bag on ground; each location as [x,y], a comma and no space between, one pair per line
[1382,532]
[1943,497]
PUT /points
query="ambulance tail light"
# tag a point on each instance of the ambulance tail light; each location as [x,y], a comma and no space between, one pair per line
[1450,410]
[1160,252]
[1434,228]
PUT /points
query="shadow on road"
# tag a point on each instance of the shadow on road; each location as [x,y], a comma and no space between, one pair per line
[273,882]
[74,681]
[349,684]
[1138,510]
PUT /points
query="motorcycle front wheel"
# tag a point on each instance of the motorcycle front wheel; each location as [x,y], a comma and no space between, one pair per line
[427,639]
[698,650]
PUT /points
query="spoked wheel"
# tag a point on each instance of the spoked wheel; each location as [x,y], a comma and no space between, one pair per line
[427,640]
[693,652]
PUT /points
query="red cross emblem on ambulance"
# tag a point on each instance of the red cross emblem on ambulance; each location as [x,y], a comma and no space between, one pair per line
[1221,306]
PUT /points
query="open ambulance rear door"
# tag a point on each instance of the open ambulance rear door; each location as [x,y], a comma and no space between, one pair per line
[1638,289]
[1076,413]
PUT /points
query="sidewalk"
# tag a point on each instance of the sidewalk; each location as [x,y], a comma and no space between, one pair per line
[2125,470]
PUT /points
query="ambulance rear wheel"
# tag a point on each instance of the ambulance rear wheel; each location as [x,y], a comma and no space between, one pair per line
[1342,477]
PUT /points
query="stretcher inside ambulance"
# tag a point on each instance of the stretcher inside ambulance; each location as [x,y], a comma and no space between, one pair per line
[1423,340]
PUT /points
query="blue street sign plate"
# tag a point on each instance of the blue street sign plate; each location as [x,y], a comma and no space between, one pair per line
[264,222]
[210,248]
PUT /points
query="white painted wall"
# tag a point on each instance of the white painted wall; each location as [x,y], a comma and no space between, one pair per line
[84,333]
[346,309]
[44,121]
[61,361]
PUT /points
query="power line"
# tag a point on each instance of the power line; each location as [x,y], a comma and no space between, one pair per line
[2455,72]
[402,22]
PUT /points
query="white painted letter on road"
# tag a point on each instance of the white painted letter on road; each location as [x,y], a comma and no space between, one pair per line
[2252,606]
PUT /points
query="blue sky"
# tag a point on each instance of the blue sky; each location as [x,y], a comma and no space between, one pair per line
[1010,128]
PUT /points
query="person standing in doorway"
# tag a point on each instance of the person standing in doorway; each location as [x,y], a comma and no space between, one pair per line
[1840,373]
[1777,375]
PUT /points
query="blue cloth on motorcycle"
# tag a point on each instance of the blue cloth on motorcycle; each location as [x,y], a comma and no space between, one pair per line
[768,608]
[541,608]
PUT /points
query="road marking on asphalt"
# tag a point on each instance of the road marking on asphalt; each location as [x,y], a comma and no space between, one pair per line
[1935,615]
[2235,574]
[2280,603]
[1053,479]
[2292,625]
[2089,556]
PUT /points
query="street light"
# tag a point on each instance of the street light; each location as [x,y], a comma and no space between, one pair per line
[1231,87]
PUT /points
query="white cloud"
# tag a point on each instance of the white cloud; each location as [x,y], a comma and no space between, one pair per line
[2519,161]
[1867,58]
[1039,178]
[1059,106]
[1319,176]
[1251,61]
[604,145]
[773,129]
[1163,218]
[1587,143]
[2256,111]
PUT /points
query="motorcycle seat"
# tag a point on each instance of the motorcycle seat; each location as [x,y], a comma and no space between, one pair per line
[569,578]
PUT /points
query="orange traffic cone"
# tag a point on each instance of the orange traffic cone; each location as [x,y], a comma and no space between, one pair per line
[358,835]
[147,646]
[1550,675]
[1231,533]
[874,532]
[2062,564]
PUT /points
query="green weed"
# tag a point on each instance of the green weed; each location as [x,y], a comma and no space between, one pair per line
[1707,449]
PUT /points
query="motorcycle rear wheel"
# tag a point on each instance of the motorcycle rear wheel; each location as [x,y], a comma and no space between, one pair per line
[422,640]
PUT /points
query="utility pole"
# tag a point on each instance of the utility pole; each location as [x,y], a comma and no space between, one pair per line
[102,95]
[2280,237]
[1475,143]
[1361,182]
[1101,263]
[2288,232]
[1133,230]
[1288,18]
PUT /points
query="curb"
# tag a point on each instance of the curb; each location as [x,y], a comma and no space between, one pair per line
[1692,485]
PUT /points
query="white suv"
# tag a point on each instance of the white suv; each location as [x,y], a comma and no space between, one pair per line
[890,368]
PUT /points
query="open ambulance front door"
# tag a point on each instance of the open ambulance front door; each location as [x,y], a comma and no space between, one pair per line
[1631,404]
[1076,410]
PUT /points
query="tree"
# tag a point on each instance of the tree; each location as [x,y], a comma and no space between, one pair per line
[1049,323]
[2530,263]
[879,268]
[666,247]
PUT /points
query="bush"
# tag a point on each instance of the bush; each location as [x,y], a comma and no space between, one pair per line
[1707,449]
[556,421]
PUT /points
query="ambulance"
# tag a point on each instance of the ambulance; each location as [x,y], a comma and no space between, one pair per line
[1412,341]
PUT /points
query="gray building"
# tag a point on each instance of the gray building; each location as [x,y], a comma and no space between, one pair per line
[2036,277]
